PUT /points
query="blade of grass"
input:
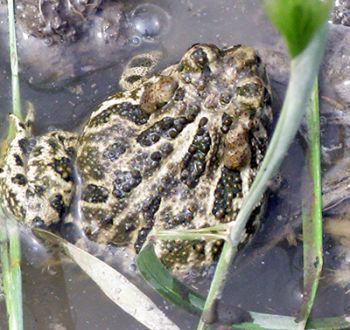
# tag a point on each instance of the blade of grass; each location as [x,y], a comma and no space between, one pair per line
[10,249]
[114,285]
[312,211]
[333,323]
[310,15]
[279,322]
[166,284]
[16,95]
[10,258]
[214,232]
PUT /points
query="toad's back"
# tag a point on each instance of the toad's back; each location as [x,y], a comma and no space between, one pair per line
[180,151]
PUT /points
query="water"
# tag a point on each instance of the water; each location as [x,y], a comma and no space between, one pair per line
[267,273]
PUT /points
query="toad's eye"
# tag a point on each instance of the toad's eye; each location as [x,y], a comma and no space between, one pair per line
[250,92]
[198,58]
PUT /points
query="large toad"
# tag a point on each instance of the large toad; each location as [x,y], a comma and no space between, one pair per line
[179,151]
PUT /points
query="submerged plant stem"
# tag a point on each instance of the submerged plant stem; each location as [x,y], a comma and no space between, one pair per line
[312,211]
[10,258]
[215,232]
[16,95]
[10,247]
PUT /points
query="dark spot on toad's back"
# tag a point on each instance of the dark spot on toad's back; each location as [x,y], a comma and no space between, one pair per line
[179,94]
[114,151]
[24,145]
[227,121]
[248,90]
[127,110]
[167,127]
[19,179]
[194,161]
[141,238]
[192,112]
[133,79]
[132,112]
[227,189]
[95,194]
[150,207]
[125,181]
[57,204]
[18,160]
[166,149]
[39,190]
[53,144]
[37,151]
[106,221]
[63,166]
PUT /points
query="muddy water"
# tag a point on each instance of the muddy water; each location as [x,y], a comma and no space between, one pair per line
[267,274]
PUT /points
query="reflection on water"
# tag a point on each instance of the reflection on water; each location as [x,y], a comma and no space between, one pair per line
[267,274]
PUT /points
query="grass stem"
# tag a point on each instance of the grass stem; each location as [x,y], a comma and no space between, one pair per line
[312,210]
[10,247]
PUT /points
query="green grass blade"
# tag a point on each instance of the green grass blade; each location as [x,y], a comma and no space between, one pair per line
[312,211]
[297,20]
[10,249]
[165,284]
[279,322]
[16,95]
[10,257]
[331,323]
[214,232]
[16,275]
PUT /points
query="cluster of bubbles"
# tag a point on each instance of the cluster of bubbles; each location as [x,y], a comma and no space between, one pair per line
[72,20]
[61,40]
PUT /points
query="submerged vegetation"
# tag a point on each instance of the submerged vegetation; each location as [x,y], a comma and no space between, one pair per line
[10,247]
[303,26]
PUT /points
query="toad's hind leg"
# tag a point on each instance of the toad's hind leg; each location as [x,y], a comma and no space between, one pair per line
[13,179]
[138,69]
[51,178]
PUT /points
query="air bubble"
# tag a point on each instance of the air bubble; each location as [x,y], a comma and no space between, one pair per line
[149,21]
[135,41]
